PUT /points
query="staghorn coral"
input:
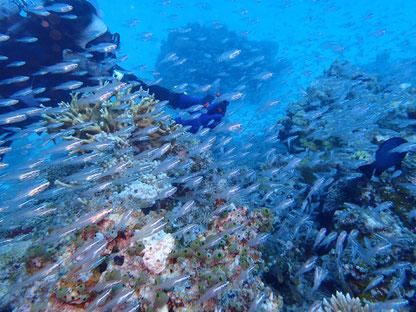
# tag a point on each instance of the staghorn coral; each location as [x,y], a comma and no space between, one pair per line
[110,109]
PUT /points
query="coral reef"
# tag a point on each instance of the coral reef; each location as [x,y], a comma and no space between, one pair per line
[109,228]
[147,265]
[109,109]
[207,222]
[345,303]
[188,56]
[354,233]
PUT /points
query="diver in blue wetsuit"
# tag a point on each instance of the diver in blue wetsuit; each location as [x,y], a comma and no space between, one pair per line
[35,38]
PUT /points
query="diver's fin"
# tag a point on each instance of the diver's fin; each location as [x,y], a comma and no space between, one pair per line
[378,172]
[367,170]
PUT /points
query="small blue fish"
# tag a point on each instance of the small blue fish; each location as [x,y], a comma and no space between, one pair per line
[385,158]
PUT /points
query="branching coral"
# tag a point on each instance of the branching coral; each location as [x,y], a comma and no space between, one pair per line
[111,109]
[344,303]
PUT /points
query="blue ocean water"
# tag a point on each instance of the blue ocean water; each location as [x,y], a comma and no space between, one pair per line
[310,34]
[298,196]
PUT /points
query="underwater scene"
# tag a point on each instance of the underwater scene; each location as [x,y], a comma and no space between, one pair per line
[188,155]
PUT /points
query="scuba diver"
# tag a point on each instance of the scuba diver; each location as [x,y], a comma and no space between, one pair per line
[50,49]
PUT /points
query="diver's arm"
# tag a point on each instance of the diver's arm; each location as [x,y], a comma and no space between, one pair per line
[176,100]
[209,117]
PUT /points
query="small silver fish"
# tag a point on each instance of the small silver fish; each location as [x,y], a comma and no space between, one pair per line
[231,96]
[184,209]
[63,147]
[319,276]
[69,85]
[61,68]
[203,147]
[51,269]
[37,10]
[329,239]
[17,79]
[59,8]
[27,39]
[33,190]
[101,298]
[252,188]
[103,47]
[98,188]
[194,116]
[113,170]
[40,73]
[8,102]
[340,243]
[374,282]
[4,150]
[229,192]
[167,192]
[129,97]
[38,91]
[255,305]
[393,304]
[12,117]
[213,242]
[83,221]
[394,286]
[184,230]
[404,148]
[195,108]
[98,146]
[166,165]
[29,175]
[22,93]
[69,16]
[16,64]
[193,182]
[118,299]
[160,151]
[212,292]
[307,266]
[228,55]
[316,187]
[259,239]
[352,236]
[149,229]
[4,37]
[381,248]
[315,306]
[171,282]
[123,221]
[141,138]
[146,131]
[284,204]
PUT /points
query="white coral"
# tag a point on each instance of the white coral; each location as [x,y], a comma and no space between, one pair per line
[156,251]
[343,303]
